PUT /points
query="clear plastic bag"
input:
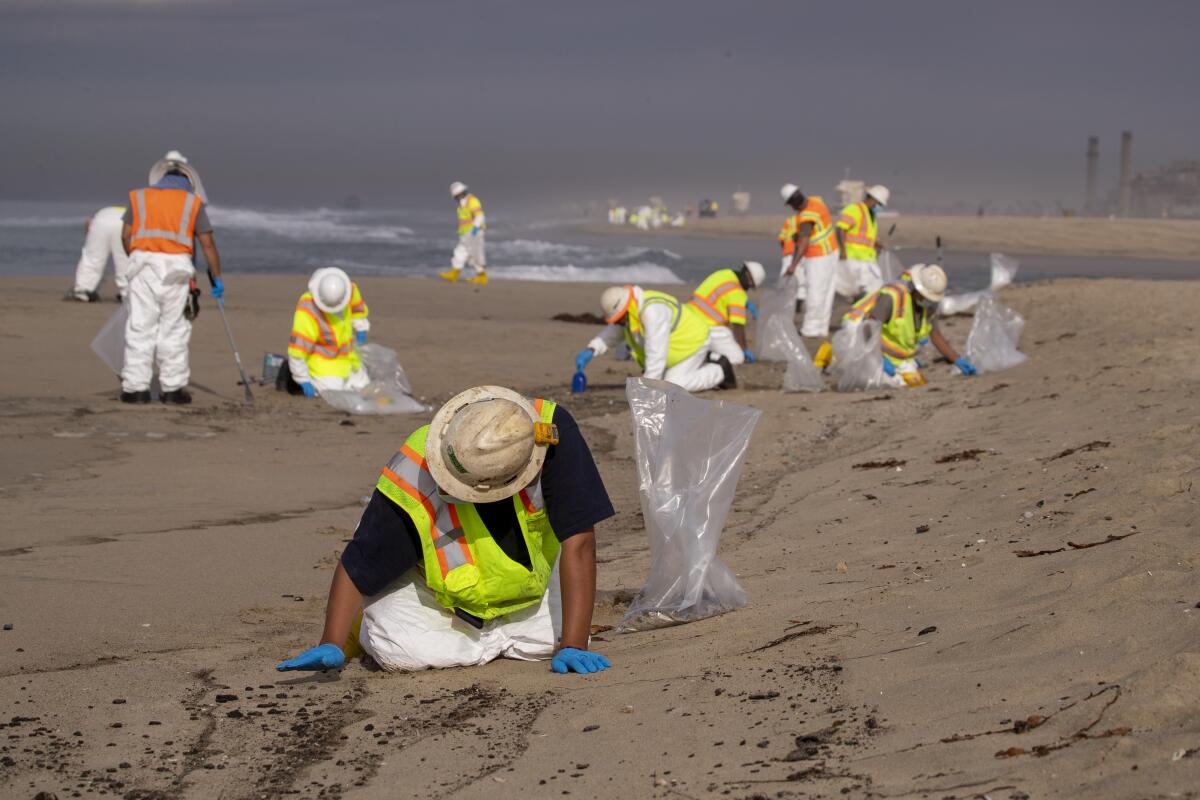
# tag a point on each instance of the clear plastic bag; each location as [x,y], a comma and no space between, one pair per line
[388,392]
[801,375]
[1004,270]
[992,343]
[857,359]
[775,301]
[109,343]
[890,266]
[689,455]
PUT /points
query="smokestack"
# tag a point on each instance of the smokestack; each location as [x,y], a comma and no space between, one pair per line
[1126,186]
[1093,164]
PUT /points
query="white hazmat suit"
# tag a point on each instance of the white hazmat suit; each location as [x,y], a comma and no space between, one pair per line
[158,293]
[103,241]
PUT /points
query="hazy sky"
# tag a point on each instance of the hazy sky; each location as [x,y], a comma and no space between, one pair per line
[301,102]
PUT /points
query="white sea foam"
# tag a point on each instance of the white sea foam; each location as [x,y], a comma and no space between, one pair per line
[537,249]
[631,273]
[43,222]
[322,225]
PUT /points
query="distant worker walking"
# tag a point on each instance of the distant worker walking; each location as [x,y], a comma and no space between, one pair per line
[330,319]
[160,224]
[102,240]
[815,246]
[471,227]
[722,301]
[668,339]
[907,311]
[858,242]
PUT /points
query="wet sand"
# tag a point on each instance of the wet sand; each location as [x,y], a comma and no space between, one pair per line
[1150,239]
[1017,615]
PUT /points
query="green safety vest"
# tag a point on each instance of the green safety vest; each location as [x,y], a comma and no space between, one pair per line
[689,331]
[462,564]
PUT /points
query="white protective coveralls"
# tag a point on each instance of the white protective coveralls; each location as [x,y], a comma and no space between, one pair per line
[404,628]
[158,293]
[856,278]
[103,240]
[721,342]
[820,273]
[694,373]
[469,250]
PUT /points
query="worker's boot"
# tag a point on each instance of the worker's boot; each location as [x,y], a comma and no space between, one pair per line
[82,297]
[135,397]
[449,275]
[180,397]
[479,279]
[730,381]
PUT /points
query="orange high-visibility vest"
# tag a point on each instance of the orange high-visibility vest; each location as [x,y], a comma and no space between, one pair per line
[822,242]
[787,235]
[164,220]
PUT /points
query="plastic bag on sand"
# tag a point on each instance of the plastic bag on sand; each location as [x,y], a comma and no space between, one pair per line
[1004,269]
[775,301]
[689,456]
[857,359]
[109,343]
[992,343]
[801,375]
[389,391]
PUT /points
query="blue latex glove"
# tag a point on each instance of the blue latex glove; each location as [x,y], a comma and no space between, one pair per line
[323,656]
[965,367]
[752,309]
[923,342]
[750,359]
[309,389]
[360,337]
[474,230]
[889,368]
[218,289]
[571,660]
[584,358]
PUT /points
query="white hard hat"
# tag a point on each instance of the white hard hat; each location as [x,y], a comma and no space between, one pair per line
[486,444]
[929,280]
[457,188]
[880,193]
[331,289]
[757,273]
[614,302]
[788,190]
[175,160]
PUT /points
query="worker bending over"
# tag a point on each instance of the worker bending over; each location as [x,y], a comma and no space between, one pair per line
[478,543]
[721,299]
[858,242]
[157,234]
[907,312]
[471,225]
[330,319]
[668,339]
[816,247]
[101,241]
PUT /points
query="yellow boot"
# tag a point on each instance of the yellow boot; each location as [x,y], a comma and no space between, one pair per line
[479,279]
[449,275]
[824,355]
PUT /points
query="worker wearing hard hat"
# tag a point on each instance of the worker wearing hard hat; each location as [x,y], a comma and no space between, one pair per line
[159,226]
[858,242]
[816,248]
[668,339]
[907,312]
[330,319]
[478,543]
[471,226]
[102,241]
[721,299]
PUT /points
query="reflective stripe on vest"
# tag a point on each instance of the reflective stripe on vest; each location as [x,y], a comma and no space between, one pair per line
[177,239]
[721,298]
[688,332]
[860,232]
[467,211]
[900,334]
[787,235]
[822,241]
[408,471]
[329,350]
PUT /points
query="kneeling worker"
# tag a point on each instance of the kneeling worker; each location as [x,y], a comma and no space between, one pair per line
[668,339]
[330,319]
[453,563]
[721,299]
[907,312]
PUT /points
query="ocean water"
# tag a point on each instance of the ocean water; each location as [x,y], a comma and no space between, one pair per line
[45,238]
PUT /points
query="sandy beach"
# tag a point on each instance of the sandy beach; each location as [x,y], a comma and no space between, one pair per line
[1158,239]
[1007,609]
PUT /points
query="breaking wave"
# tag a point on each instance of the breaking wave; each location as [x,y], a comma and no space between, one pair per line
[321,225]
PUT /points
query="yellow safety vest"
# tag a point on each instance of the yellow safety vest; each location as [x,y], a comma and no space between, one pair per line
[787,235]
[901,332]
[467,211]
[860,231]
[326,341]
[462,564]
[689,331]
[721,299]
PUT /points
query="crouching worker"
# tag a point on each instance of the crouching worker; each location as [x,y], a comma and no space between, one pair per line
[477,544]
[330,319]
[907,312]
[668,339]
[722,301]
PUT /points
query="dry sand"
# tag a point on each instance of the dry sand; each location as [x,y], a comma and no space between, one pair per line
[1154,239]
[157,562]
